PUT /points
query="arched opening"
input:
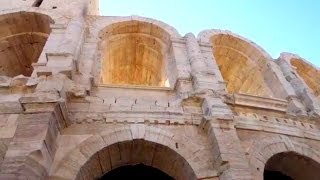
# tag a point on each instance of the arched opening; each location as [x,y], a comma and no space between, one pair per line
[22,38]
[291,166]
[139,171]
[134,53]
[241,64]
[133,156]
[309,74]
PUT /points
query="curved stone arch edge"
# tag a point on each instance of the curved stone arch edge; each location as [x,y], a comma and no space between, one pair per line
[203,36]
[112,20]
[287,56]
[262,150]
[54,16]
[73,161]
[109,21]
[206,35]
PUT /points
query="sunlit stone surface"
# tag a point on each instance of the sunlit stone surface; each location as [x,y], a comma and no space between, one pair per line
[86,97]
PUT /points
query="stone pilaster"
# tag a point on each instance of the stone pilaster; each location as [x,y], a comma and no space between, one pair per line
[62,49]
[32,148]
[229,158]
[202,77]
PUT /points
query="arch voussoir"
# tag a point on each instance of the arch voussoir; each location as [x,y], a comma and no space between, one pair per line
[71,165]
[134,144]
[92,145]
[262,150]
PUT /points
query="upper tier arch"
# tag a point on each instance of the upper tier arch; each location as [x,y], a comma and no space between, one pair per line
[134,51]
[206,35]
[114,21]
[244,65]
[309,73]
[22,38]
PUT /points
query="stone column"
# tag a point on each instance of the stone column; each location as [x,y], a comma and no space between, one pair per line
[300,87]
[201,76]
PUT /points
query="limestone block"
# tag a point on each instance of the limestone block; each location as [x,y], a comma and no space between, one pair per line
[61,83]
[140,108]
[20,80]
[8,125]
[10,104]
[125,101]
[59,61]
[5,81]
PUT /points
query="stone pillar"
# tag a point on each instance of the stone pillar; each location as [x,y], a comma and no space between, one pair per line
[300,87]
[72,37]
[31,151]
[64,60]
[229,158]
[198,65]
[63,50]
[202,77]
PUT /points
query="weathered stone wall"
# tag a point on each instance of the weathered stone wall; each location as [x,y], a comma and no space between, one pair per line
[221,107]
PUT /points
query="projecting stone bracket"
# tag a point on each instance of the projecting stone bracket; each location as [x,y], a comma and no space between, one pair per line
[36,103]
[258,102]
[56,63]
[57,107]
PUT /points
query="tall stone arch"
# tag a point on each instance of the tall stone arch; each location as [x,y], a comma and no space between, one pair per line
[240,59]
[166,153]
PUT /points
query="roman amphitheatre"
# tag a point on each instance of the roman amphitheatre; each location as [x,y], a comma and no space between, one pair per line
[84,96]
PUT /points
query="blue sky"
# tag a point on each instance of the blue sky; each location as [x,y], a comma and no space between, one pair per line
[276,25]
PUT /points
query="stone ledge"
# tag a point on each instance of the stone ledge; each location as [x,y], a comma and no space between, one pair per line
[278,125]
[133,118]
[129,86]
[258,102]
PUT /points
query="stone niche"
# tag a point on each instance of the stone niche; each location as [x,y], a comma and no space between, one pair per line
[134,53]
[22,38]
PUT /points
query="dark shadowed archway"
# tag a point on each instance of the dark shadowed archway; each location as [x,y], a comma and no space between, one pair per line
[137,158]
[291,166]
[139,171]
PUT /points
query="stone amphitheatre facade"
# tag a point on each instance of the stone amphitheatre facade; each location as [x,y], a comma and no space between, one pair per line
[83,95]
